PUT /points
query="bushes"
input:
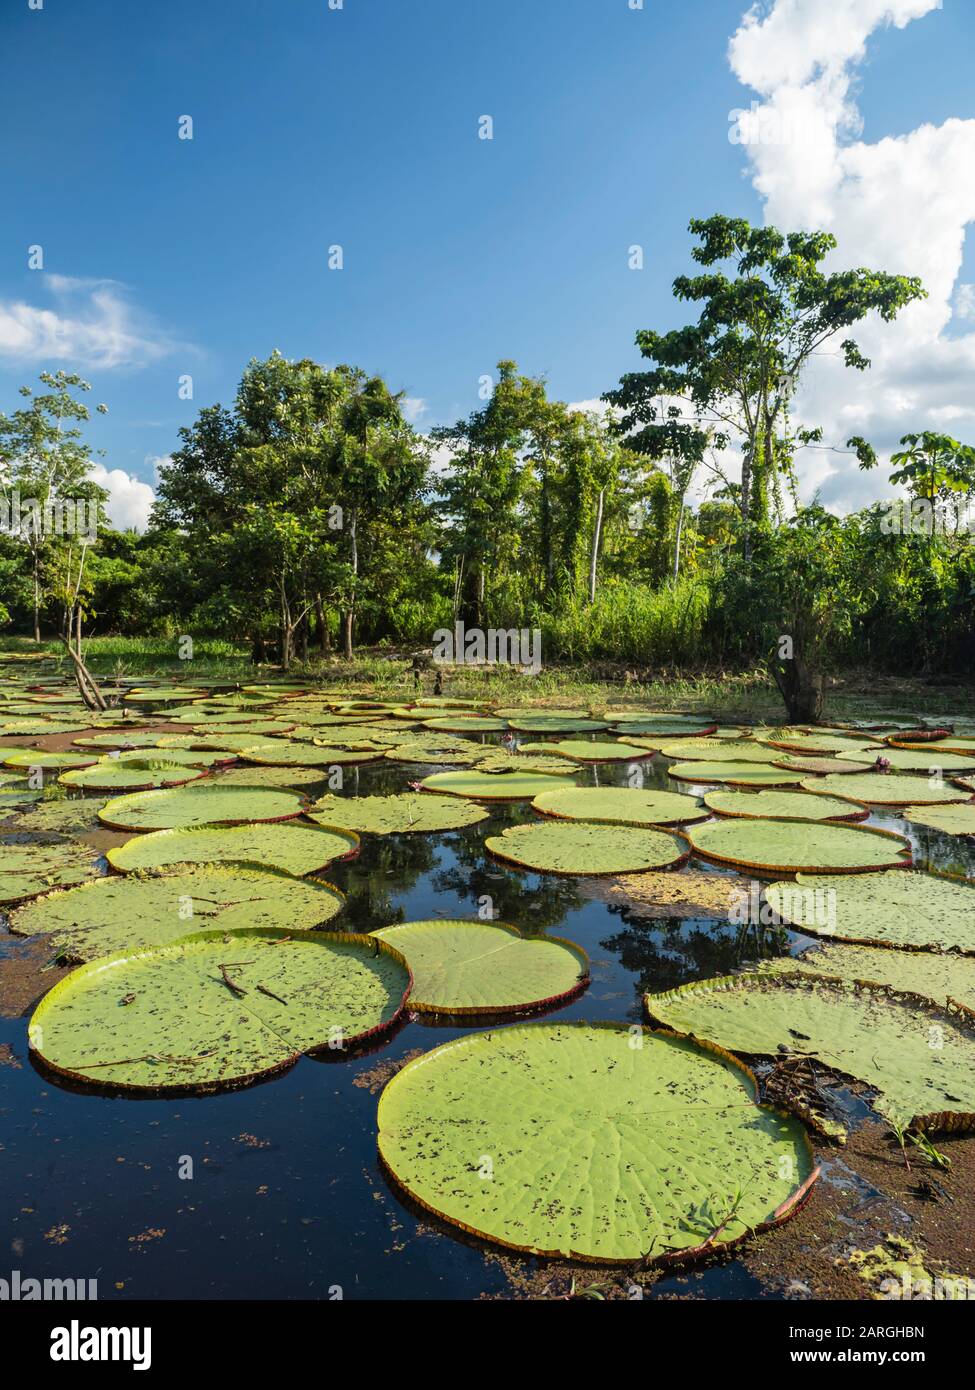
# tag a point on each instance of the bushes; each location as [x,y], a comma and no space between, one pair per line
[630,623]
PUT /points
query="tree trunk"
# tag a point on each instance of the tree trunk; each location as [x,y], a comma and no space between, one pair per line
[323,642]
[680,528]
[594,553]
[348,621]
[37,600]
[801,687]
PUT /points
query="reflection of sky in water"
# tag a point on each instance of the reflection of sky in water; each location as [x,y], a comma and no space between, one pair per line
[287,1200]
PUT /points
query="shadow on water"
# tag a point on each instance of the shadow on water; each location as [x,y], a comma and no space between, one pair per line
[276,1191]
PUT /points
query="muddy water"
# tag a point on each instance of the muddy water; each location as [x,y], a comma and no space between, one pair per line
[286,1199]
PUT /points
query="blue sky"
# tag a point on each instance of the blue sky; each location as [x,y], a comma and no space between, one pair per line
[359,127]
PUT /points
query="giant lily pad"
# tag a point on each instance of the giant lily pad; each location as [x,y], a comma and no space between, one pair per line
[134,738]
[832,742]
[498,760]
[396,815]
[114,775]
[555,724]
[713,750]
[467,724]
[963,746]
[282,754]
[63,816]
[463,967]
[786,846]
[929,759]
[601,751]
[138,912]
[620,805]
[26,870]
[582,847]
[950,820]
[295,849]
[783,805]
[273,777]
[494,786]
[919,1057]
[586,1141]
[946,979]
[208,804]
[217,1009]
[800,764]
[912,910]
[886,789]
[735,774]
[35,757]
[456,754]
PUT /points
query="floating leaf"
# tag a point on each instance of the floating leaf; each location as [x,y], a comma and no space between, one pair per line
[137,912]
[36,757]
[950,820]
[735,774]
[792,764]
[784,805]
[471,724]
[63,816]
[494,786]
[217,1009]
[602,1145]
[581,751]
[396,815]
[786,846]
[33,868]
[713,750]
[295,849]
[207,804]
[114,775]
[620,805]
[581,847]
[913,910]
[555,724]
[879,1038]
[929,759]
[886,789]
[463,967]
[946,979]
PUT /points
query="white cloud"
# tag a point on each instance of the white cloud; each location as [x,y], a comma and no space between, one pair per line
[91,323]
[129,499]
[901,204]
[414,408]
[965,302]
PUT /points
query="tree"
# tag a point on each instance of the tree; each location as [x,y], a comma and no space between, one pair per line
[729,377]
[45,472]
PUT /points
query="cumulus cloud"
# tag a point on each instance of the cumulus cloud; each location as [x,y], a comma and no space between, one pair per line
[90,323]
[414,408]
[129,500]
[900,204]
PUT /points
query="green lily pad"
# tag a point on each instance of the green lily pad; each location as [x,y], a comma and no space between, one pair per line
[580,751]
[63,816]
[919,1057]
[273,777]
[26,870]
[918,911]
[783,805]
[886,789]
[35,757]
[458,754]
[140,912]
[136,738]
[283,754]
[294,849]
[584,847]
[397,815]
[555,724]
[588,1141]
[114,775]
[787,846]
[494,786]
[643,728]
[209,803]
[713,750]
[950,820]
[831,741]
[928,759]
[735,774]
[472,724]
[962,745]
[168,1018]
[620,806]
[798,764]
[463,967]
[497,760]
[946,979]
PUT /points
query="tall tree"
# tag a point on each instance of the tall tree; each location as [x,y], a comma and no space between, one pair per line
[733,372]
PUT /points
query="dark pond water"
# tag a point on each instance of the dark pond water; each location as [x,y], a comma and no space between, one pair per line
[286,1198]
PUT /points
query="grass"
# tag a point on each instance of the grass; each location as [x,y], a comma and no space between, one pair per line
[732,697]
